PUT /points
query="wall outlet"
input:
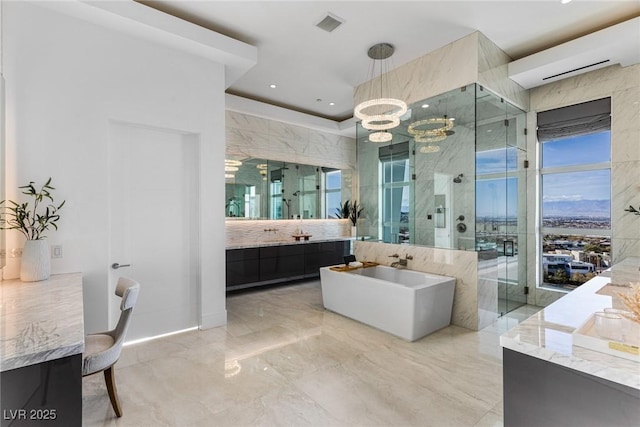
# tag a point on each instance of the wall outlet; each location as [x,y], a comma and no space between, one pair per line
[56,251]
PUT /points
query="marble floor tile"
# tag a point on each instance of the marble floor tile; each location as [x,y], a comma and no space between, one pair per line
[283,360]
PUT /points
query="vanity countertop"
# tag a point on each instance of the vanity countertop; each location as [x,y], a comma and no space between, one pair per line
[40,321]
[291,241]
[547,335]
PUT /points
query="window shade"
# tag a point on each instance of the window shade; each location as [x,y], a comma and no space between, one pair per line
[394,152]
[575,120]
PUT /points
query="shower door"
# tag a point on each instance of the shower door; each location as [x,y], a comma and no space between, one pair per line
[500,212]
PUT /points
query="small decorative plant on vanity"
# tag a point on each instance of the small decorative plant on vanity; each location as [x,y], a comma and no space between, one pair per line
[32,220]
[352,211]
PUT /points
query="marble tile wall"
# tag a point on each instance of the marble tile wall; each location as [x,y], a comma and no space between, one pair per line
[471,59]
[449,67]
[493,73]
[251,232]
[252,136]
[463,265]
[456,156]
[623,86]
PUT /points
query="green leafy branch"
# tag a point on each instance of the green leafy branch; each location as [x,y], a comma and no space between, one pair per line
[349,210]
[633,210]
[28,220]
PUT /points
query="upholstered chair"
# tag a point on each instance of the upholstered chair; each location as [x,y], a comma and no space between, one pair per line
[102,350]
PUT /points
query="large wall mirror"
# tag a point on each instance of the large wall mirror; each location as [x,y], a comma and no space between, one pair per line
[270,189]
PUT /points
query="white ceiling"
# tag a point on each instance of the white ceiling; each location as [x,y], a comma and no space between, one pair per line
[307,63]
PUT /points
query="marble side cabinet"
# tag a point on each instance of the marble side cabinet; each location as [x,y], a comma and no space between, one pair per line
[548,380]
[41,346]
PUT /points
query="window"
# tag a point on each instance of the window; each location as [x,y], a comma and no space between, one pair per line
[575,199]
[332,192]
[395,197]
[276,200]
[497,200]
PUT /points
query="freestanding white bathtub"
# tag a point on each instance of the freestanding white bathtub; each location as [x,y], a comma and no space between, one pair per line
[408,304]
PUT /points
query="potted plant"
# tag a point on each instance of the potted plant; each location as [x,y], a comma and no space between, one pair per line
[343,211]
[355,212]
[351,211]
[32,220]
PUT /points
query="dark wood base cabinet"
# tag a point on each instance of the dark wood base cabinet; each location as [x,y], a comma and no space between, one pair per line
[267,265]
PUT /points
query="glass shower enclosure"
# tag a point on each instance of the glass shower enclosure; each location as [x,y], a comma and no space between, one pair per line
[464,189]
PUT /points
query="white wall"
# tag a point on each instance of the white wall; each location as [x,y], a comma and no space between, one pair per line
[66,79]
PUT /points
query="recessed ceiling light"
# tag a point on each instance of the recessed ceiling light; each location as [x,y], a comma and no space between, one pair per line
[272,86]
[565,1]
[332,103]
[425,105]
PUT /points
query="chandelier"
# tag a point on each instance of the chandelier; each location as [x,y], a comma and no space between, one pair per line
[436,134]
[380,112]
[429,149]
[231,166]
[262,169]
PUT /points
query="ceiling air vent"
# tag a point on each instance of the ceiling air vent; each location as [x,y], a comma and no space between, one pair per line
[618,44]
[576,69]
[329,23]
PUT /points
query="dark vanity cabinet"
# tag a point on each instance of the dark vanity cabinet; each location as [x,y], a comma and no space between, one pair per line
[243,266]
[257,266]
[281,262]
[323,254]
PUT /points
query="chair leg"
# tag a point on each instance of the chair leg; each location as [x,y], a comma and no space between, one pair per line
[109,378]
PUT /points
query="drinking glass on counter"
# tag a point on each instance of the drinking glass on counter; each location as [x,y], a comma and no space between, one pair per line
[630,330]
[609,325]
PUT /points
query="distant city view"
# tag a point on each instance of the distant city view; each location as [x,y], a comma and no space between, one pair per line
[596,222]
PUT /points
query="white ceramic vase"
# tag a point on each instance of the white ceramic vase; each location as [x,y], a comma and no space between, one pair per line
[36,261]
[354,231]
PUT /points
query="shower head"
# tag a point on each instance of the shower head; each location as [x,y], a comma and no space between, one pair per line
[296,193]
[458,179]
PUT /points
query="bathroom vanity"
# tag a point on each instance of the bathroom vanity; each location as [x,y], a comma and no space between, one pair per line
[270,263]
[41,345]
[551,381]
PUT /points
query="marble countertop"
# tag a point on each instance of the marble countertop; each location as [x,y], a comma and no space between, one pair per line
[292,241]
[547,335]
[40,321]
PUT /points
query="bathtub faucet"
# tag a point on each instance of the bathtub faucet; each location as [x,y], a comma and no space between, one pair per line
[402,262]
